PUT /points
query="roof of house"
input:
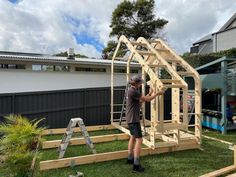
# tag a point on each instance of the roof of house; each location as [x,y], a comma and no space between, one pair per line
[228,23]
[203,39]
[222,29]
[44,58]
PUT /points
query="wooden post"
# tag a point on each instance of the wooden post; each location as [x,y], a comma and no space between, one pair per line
[144,93]
[175,97]
[112,81]
[234,154]
[198,108]
[185,106]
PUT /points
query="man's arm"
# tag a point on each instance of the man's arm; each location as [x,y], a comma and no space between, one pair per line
[148,95]
[149,98]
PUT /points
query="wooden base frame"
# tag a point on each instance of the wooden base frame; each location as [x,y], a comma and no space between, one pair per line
[225,170]
[184,144]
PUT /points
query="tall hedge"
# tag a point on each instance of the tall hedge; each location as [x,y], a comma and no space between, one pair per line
[197,60]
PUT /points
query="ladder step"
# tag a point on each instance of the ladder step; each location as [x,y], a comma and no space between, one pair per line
[119,89]
[145,52]
[117,104]
[118,112]
[119,119]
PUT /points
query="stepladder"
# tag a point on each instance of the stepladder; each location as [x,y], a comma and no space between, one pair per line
[68,135]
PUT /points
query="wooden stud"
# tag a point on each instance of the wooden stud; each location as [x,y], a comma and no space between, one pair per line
[112,80]
[234,154]
[80,141]
[220,172]
[101,157]
[77,129]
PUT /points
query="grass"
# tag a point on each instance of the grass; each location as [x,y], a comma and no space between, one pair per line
[190,163]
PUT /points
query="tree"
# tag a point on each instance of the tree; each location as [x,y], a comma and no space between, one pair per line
[134,19]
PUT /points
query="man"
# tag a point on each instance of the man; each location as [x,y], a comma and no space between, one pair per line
[134,98]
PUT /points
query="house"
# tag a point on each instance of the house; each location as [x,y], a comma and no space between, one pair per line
[31,72]
[223,39]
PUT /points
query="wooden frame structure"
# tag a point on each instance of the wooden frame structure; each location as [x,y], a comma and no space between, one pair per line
[101,157]
[155,57]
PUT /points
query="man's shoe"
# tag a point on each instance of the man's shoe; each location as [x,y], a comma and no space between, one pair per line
[138,168]
[130,161]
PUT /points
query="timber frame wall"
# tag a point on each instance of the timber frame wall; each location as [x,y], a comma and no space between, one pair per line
[156,57]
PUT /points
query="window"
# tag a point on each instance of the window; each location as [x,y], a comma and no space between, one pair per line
[50,68]
[11,66]
[47,68]
[119,70]
[134,71]
[90,69]
[20,66]
[37,67]
[61,68]
[3,66]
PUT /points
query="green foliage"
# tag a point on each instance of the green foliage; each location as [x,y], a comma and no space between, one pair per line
[198,60]
[134,19]
[64,54]
[18,144]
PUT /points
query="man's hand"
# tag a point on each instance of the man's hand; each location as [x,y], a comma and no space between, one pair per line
[150,91]
[163,90]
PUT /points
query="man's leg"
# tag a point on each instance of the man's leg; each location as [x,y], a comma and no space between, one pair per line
[131,149]
[137,150]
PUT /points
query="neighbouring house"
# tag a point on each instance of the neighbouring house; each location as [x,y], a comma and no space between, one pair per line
[223,39]
[30,72]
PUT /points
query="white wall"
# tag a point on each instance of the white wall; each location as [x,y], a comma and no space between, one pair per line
[226,40]
[12,81]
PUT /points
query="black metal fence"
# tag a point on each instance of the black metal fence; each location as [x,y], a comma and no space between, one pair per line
[58,107]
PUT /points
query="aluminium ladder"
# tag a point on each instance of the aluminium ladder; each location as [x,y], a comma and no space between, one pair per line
[68,134]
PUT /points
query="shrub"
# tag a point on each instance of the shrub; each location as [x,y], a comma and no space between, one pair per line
[18,144]
[196,60]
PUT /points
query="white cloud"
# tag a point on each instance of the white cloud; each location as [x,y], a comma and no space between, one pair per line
[189,20]
[42,26]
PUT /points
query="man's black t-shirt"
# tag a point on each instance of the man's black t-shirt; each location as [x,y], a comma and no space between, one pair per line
[133,106]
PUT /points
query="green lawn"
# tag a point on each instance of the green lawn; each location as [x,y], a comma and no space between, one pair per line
[190,163]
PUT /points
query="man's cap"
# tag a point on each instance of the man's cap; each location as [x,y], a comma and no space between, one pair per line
[137,79]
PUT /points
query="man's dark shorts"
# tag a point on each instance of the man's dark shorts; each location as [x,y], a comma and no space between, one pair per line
[135,130]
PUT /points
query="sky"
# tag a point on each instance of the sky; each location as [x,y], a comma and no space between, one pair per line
[52,26]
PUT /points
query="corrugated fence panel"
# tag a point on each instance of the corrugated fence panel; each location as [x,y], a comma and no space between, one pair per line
[58,107]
